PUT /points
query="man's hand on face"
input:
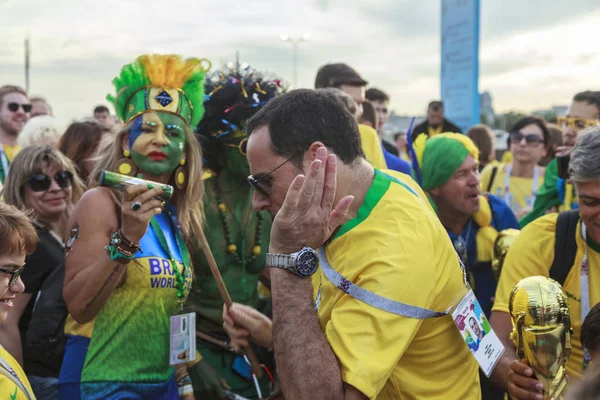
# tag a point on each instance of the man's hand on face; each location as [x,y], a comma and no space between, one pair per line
[307,216]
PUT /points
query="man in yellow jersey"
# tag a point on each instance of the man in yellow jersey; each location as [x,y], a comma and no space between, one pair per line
[18,239]
[542,248]
[344,77]
[14,113]
[435,123]
[387,268]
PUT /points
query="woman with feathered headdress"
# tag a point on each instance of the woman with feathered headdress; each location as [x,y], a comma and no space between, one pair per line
[127,268]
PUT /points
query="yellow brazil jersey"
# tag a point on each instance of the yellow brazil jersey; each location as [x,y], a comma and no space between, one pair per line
[372,146]
[397,248]
[431,131]
[521,192]
[506,157]
[10,151]
[8,387]
[532,254]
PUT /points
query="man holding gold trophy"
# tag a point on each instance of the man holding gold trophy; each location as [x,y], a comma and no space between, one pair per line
[542,250]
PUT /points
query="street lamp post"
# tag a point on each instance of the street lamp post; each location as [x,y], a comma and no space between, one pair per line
[295,42]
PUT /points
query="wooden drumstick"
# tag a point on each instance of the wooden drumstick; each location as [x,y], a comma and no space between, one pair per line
[227,299]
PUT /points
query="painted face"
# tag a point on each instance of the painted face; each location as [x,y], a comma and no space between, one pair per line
[9,262]
[157,142]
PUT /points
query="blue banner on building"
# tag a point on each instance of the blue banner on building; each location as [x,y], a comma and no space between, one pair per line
[460,61]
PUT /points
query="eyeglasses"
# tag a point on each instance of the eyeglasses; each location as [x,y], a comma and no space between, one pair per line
[14,273]
[42,182]
[578,124]
[255,182]
[241,146]
[517,137]
[15,106]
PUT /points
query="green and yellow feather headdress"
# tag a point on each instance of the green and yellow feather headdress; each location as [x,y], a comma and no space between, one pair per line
[163,83]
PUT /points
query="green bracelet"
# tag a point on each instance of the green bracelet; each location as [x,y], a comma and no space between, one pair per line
[115,252]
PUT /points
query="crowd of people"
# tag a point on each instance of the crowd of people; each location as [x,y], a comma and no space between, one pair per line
[345,255]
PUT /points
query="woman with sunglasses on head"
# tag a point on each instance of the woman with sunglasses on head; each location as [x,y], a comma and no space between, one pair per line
[43,182]
[517,182]
[239,236]
[127,269]
[18,239]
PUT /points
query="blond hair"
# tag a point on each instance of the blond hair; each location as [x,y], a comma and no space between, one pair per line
[37,129]
[8,89]
[30,161]
[188,202]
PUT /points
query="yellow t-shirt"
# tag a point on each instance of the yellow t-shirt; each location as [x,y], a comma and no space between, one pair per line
[8,388]
[397,248]
[10,151]
[532,254]
[506,157]
[431,131]
[372,146]
[520,194]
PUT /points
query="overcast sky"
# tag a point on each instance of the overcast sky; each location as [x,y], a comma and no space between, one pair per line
[533,54]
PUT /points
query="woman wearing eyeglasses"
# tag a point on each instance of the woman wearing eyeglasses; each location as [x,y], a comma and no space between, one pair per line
[517,182]
[42,181]
[18,239]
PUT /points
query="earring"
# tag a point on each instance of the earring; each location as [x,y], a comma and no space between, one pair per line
[180,175]
[126,166]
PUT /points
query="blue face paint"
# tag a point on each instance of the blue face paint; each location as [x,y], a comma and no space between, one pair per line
[136,130]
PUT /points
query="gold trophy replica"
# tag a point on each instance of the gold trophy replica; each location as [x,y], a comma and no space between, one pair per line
[542,330]
[503,242]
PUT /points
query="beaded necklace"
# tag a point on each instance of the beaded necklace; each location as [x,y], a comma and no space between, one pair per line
[185,255]
[242,259]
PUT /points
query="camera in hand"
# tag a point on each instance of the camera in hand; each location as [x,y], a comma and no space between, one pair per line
[563,166]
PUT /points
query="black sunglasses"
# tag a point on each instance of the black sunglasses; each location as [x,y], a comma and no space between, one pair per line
[15,106]
[516,138]
[255,182]
[42,182]
[14,273]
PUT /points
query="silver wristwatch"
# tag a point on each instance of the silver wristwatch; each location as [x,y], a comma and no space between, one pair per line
[303,263]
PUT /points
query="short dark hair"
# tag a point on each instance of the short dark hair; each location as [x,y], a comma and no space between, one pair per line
[373,94]
[523,122]
[301,117]
[369,114]
[336,75]
[101,109]
[590,97]
[590,330]
[435,105]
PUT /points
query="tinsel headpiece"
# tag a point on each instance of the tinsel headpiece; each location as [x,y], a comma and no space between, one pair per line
[165,83]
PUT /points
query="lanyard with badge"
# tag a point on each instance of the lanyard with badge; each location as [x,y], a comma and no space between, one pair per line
[182,347]
[584,290]
[10,373]
[508,196]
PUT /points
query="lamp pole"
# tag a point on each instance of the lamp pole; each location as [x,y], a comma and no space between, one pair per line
[295,42]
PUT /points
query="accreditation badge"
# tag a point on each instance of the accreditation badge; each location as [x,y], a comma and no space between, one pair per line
[182,338]
[477,333]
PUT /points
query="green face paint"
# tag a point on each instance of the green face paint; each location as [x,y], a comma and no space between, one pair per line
[159,145]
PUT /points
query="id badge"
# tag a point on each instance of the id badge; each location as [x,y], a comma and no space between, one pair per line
[182,338]
[477,333]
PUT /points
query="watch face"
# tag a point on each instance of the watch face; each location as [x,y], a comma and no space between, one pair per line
[307,262]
